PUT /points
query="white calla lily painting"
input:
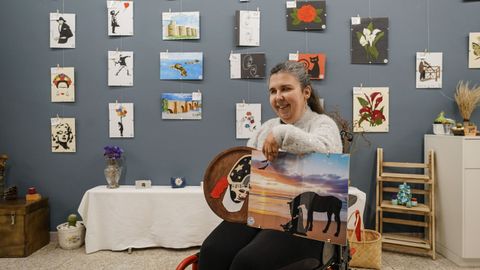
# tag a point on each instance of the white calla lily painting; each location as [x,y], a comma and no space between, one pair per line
[369,41]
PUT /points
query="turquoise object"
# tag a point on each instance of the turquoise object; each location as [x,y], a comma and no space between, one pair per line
[404,194]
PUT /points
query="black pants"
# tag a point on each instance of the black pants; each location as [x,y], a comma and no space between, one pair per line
[233,246]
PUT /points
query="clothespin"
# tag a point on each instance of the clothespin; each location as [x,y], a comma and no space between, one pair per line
[58,65]
[243,101]
[426,50]
[58,12]
[198,90]
[167,50]
[58,117]
[116,101]
[258,9]
[298,53]
[169,10]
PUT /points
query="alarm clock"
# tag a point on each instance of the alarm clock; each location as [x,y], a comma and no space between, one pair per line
[178,182]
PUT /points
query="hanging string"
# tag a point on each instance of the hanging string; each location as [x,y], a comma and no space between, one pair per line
[370,63]
[428,25]
[369,8]
[306,42]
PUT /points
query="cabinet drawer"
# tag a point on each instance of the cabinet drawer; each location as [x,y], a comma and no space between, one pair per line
[471,157]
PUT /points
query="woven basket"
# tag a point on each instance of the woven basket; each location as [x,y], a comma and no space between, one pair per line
[366,253]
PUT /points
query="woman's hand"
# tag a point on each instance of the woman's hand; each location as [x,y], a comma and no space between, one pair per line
[270,147]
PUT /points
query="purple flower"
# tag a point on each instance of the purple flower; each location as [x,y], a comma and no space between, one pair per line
[113,152]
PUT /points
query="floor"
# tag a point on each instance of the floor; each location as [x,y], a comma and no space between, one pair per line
[52,257]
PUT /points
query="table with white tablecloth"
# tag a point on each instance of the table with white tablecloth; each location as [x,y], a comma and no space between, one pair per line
[160,216]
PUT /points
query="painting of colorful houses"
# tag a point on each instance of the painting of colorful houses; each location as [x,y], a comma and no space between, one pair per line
[181,106]
[181,25]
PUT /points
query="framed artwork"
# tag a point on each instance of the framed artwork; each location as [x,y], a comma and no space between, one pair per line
[370,109]
[247,65]
[62,84]
[182,106]
[303,195]
[248,119]
[62,30]
[181,25]
[120,68]
[474,50]
[306,15]
[429,70]
[181,66]
[369,40]
[120,18]
[314,63]
[247,28]
[63,135]
[121,120]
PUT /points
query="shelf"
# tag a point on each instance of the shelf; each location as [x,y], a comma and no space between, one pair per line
[403,240]
[387,206]
[402,180]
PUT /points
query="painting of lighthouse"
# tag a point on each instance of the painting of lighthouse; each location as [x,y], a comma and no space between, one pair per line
[181,25]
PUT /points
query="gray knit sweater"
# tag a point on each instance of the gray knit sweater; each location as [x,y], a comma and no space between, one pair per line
[313,132]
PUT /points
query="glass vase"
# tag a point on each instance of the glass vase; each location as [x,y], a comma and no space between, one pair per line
[113,171]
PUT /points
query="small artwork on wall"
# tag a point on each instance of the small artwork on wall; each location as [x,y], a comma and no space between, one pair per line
[181,25]
[247,27]
[314,63]
[63,134]
[120,18]
[249,119]
[182,106]
[247,65]
[181,66]
[370,109]
[121,123]
[369,40]
[306,15]
[62,84]
[429,70]
[62,30]
[474,50]
[120,68]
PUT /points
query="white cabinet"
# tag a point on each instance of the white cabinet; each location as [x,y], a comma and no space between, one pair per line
[457,197]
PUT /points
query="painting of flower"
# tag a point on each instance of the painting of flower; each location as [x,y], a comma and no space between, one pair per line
[369,41]
[306,15]
[370,109]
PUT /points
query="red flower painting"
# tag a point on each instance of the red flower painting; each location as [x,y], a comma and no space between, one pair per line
[370,110]
[306,14]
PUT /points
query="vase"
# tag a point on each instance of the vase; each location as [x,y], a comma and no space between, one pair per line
[113,171]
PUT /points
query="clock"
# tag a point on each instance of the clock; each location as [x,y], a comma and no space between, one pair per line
[178,182]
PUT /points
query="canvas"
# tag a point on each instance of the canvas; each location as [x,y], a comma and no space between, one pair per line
[63,135]
[247,27]
[429,70]
[182,106]
[314,63]
[120,18]
[62,84]
[181,25]
[181,66]
[249,119]
[120,68]
[303,195]
[474,50]
[121,120]
[369,40]
[306,15]
[370,109]
[62,30]
[247,66]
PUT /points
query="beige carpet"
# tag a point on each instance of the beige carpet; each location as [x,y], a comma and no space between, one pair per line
[52,257]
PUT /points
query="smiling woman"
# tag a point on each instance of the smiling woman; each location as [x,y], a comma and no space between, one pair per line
[301,127]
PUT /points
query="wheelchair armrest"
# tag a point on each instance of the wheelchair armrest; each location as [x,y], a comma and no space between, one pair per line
[190,260]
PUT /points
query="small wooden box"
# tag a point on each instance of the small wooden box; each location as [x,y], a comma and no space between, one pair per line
[24,227]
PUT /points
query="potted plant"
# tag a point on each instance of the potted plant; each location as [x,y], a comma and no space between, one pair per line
[71,234]
[442,125]
[467,100]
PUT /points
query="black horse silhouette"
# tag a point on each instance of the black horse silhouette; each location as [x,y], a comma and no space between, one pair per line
[313,203]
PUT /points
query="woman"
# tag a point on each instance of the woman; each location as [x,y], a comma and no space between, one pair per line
[301,127]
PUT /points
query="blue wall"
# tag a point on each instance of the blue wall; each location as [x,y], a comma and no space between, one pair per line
[163,148]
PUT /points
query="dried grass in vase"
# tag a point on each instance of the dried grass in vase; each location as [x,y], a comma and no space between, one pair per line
[467,99]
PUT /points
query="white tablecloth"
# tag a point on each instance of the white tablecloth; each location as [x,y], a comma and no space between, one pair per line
[122,218]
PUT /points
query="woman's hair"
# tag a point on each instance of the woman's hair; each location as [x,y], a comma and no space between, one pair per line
[298,70]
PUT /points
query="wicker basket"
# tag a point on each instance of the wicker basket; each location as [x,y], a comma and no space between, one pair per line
[366,252]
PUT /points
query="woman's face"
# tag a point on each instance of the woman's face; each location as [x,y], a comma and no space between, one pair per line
[287,98]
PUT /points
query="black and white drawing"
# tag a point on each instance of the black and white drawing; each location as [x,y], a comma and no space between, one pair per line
[120,18]
[63,134]
[247,65]
[247,27]
[121,120]
[120,68]
[62,30]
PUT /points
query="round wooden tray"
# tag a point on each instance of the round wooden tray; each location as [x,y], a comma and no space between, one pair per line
[216,189]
